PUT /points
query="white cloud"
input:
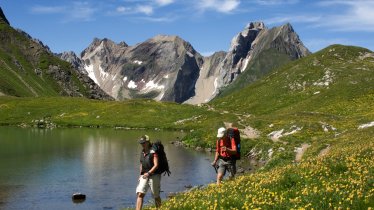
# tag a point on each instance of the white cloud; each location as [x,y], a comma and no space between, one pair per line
[275,2]
[146,9]
[159,19]
[359,16]
[164,2]
[293,19]
[122,9]
[78,11]
[81,11]
[47,10]
[353,16]
[224,6]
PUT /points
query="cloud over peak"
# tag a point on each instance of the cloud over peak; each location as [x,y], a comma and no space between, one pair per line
[77,11]
[223,6]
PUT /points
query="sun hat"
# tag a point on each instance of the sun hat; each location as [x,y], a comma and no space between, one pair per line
[221,132]
[143,139]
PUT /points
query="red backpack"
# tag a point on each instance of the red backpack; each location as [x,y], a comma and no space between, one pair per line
[234,133]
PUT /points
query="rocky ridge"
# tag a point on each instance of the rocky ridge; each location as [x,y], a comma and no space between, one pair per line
[167,68]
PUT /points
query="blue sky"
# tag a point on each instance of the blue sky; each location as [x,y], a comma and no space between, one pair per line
[208,25]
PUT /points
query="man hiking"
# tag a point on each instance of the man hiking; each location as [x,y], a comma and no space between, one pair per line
[149,177]
[224,158]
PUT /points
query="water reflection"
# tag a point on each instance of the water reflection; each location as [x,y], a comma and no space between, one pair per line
[41,169]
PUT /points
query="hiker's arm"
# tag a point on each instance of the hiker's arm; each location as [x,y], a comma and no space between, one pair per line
[155,165]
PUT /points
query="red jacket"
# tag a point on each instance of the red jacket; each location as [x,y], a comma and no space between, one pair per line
[225,141]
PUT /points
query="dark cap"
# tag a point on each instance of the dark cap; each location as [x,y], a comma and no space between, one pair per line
[143,139]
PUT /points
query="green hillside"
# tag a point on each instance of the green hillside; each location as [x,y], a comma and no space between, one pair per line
[28,69]
[264,63]
[330,78]
[318,97]
[321,108]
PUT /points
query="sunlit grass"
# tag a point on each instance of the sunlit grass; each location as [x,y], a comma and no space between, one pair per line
[342,179]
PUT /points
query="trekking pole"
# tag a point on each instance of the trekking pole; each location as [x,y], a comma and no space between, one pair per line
[215,168]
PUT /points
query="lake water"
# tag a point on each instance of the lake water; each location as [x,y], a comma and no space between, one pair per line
[41,169]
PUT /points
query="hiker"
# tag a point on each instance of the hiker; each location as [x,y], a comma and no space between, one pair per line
[149,177]
[224,158]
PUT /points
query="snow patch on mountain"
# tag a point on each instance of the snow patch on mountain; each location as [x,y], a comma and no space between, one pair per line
[215,86]
[103,75]
[152,85]
[132,85]
[91,73]
[138,62]
[189,54]
[246,61]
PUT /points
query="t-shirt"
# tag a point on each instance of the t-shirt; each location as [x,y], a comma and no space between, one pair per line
[227,143]
[146,159]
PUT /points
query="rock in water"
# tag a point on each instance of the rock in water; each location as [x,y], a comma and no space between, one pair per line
[78,197]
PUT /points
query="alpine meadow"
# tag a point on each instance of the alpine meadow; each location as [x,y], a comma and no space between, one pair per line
[306,119]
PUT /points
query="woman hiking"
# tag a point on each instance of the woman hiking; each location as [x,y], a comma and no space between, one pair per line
[149,177]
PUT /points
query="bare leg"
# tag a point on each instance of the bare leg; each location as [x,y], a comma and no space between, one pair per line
[139,201]
[158,202]
[219,178]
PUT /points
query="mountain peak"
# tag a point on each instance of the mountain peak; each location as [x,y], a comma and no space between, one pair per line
[256,25]
[287,27]
[167,38]
[2,17]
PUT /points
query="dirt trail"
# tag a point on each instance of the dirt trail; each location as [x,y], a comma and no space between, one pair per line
[300,151]
[324,151]
[227,124]
[248,131]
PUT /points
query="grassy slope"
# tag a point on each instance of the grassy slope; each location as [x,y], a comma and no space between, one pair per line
[16,81]
[296,95]
[341,179]
[139,113]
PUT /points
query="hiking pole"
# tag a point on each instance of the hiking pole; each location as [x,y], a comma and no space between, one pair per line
[215,168]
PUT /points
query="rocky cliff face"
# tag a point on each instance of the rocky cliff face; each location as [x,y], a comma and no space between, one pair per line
[164,68]
[207,83]
[245,48]
[226,65]
[168,68]
[72,58]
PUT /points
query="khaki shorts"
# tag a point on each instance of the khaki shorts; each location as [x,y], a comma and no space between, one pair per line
[229,166]
[152,182]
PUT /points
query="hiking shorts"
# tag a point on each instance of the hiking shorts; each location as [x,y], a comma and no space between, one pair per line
[229,165]
[153,182]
